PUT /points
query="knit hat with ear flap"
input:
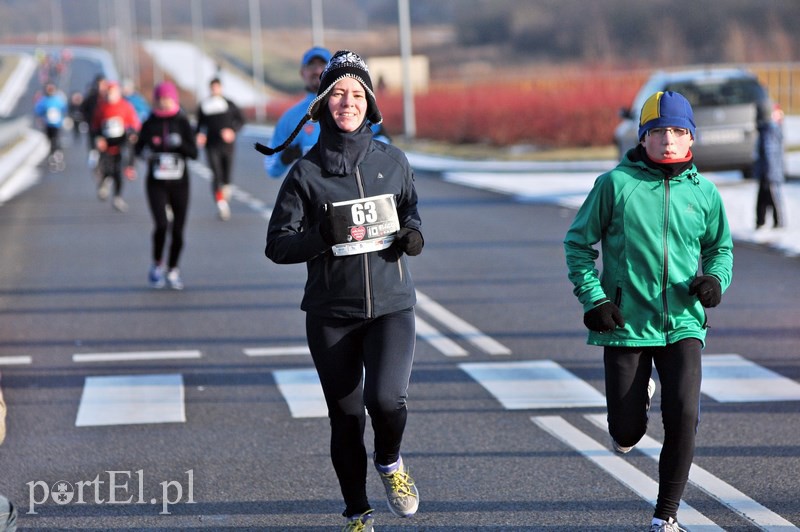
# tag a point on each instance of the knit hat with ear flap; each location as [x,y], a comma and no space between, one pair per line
[343,64]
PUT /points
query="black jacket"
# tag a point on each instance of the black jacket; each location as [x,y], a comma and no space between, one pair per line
[168,134]
[356,286]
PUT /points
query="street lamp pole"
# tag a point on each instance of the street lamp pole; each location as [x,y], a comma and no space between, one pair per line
[317,28]
[155,34]
[197,37]
[258,61]
[404,20]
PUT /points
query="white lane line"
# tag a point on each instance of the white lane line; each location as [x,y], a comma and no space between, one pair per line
[135,355]
[283,350]
[15,360]
[617,467]
[729,378]
[719,489]
[302,392]
[460,327]
[533,384]
[440,342]
[131,400]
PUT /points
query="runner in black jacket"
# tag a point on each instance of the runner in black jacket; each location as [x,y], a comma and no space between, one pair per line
[348,209]
[218,121]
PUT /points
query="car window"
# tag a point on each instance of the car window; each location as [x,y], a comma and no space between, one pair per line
[718,92]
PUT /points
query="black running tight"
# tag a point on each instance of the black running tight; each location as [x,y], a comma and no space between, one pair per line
[363,363]
[627,373]
[160,194]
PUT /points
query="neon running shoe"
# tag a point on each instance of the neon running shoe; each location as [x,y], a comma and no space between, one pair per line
[359,523]
[402,496]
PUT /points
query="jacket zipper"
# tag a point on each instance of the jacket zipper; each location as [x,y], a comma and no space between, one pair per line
[365,256]
[665,251]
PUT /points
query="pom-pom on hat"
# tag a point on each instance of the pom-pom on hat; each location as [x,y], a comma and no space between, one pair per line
[666,109]
[345,64]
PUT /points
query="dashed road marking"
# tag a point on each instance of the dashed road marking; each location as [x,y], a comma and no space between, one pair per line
[131,400]
[135,355]
[287,350]
[534,384]
[730,378]
[620,469]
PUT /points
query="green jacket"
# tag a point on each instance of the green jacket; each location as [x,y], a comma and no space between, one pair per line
[653,232]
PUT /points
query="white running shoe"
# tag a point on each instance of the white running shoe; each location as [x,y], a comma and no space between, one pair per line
[651,390]
[119,204]
[174,279]
[224,210]
[670,525]
[104,189]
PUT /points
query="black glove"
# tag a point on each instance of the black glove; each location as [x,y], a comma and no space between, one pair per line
[291,154]
[326,225]
[604,317]
[707,289]
[409,241]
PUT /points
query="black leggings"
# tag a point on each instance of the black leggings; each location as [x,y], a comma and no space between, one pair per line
[627,373]
[220,160]
[381,350]
[174,193]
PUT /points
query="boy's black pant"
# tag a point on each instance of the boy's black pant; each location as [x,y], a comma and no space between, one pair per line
[628,371]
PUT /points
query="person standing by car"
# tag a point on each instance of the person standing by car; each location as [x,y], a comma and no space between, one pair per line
[314,61]
[168,138]
[768,168]
[218,121]
[348,209]
[114,127]
[655,218]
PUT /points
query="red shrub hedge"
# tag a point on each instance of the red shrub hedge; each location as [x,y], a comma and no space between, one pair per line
[582,110]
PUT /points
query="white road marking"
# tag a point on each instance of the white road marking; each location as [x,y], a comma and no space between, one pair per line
[302,391]
[732,379]
[620,469]
[533,384]
[15,360]
[460,327]
[715,487]
[440,342]
[135,355]
[277,351]
[132,399]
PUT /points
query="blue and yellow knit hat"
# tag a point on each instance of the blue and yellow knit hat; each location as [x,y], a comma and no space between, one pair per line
[666,109]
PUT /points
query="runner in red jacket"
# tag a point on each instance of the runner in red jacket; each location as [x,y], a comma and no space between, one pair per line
[114,127]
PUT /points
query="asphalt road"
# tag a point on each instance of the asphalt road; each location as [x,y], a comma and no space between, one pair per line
[238,455]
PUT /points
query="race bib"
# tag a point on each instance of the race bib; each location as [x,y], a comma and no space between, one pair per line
[168,166]
[53,115]
[364,225]
[113,128]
